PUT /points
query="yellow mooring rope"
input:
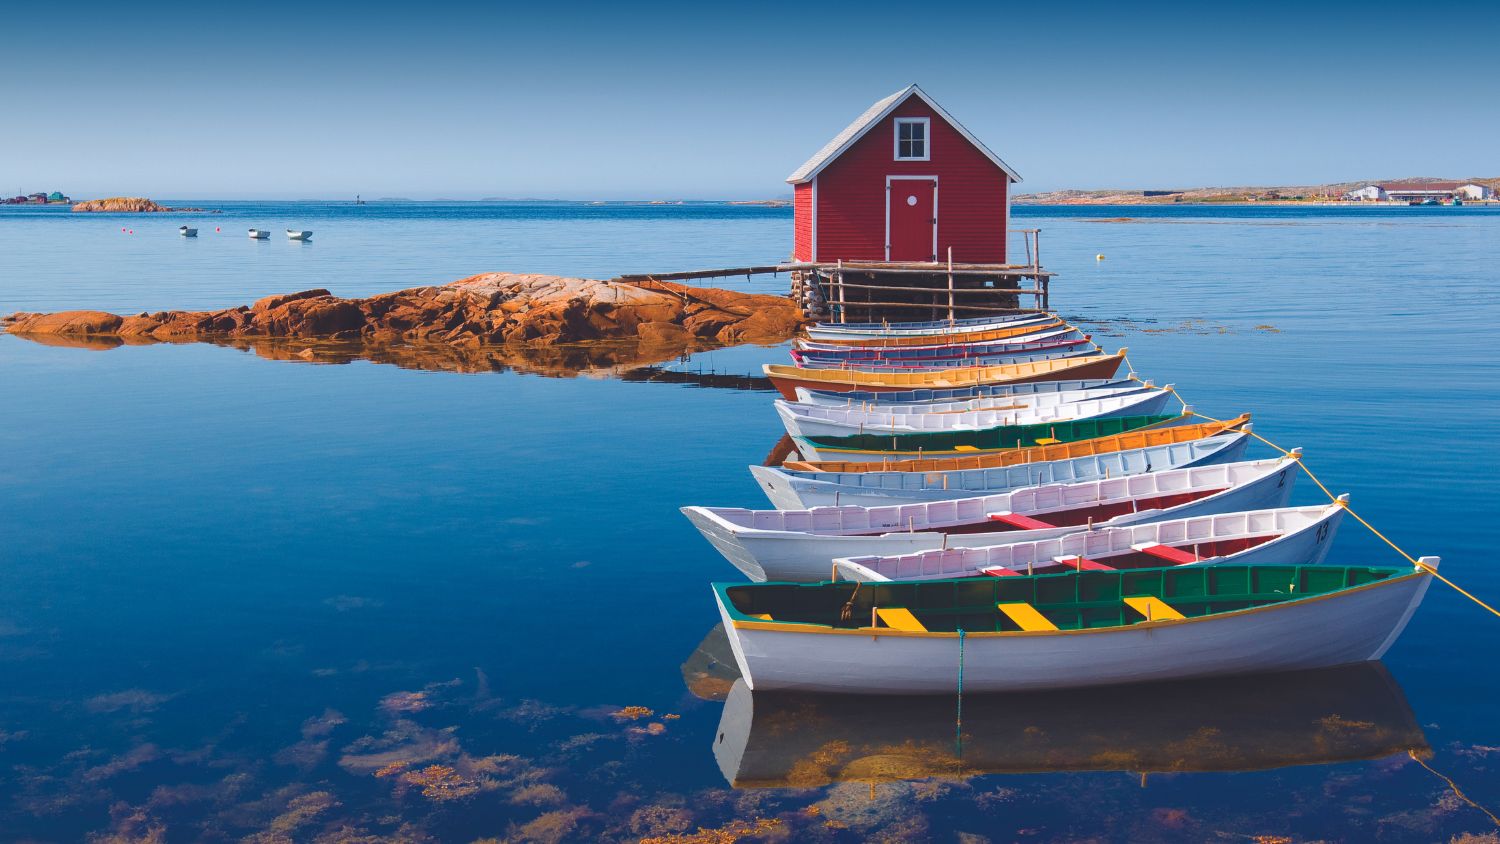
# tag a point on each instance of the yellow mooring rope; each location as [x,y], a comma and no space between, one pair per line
[1453,785]
[1357,517]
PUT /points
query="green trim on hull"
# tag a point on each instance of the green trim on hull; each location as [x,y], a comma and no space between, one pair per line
[1070,600]
[989,439]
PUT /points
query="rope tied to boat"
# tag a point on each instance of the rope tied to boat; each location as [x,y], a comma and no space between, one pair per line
[1344,502]
[847,613]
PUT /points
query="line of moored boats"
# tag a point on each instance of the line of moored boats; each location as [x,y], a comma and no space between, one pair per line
[989,505]
[255,234]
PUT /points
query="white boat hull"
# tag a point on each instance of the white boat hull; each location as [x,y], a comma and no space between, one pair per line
[870,331]
[296,235]
[792,555]
[1354,625]
[806,490]
[1301,536]
[928,396]
[805,421]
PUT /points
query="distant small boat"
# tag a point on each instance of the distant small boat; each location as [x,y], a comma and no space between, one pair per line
[259,234]
[298,235]
[187,232]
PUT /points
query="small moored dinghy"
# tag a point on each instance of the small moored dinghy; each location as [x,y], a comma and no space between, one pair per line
[1183,429]
[917,398]
[1015,330]
[802,544]
[187,231]
[942,346]
[795,490]
[1288,536]
[936,328]
[831,424]
[259,234]
[788,378]
[293,234]
[1055,631]
[939,357]
[882,446]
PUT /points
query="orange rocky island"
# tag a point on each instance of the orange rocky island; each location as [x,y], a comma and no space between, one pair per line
[125,204]
[487,309]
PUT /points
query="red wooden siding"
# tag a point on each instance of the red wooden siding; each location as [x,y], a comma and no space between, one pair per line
[802,222]
[851,201]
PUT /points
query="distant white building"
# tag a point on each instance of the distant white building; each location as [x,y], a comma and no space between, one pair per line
[1473,191]
[1368,193]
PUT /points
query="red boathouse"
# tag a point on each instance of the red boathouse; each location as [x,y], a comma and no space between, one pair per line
[905,182]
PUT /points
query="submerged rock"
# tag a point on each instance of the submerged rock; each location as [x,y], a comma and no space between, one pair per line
[487,309]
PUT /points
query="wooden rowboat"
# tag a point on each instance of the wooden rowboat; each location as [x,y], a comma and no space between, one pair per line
[928,355]
[1044,332]
[916,398]
[972,336]
[934,328]
[1255,722]
[1057,631]
[796,490]
[1287,536]
[788,378]
[802,544]
[819,423]
[1061,350]
[874,448]
[1184,429]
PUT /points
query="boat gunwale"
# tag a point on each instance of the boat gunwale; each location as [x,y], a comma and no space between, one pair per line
[742,622]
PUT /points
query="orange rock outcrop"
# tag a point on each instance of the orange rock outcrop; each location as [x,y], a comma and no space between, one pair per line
[493,308]
[131,204]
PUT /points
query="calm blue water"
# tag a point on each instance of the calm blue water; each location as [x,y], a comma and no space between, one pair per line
[233,589]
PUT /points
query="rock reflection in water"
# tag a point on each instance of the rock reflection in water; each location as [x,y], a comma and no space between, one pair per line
[627,360]
[1258,722]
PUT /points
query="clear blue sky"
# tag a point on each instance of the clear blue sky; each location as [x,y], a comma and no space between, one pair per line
[723,100]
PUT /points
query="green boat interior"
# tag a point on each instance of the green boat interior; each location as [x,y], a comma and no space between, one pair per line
[1073,600]
[1004,436]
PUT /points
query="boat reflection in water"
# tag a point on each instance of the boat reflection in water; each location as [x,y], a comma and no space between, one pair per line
[625,360]
[1246,723]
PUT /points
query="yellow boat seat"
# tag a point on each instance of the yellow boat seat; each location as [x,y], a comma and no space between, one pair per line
[1153,608]
[1026,616]
[763,616]
[1047,441]
[900,618]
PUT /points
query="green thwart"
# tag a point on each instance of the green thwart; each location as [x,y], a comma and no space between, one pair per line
[990,439]
[1067,601]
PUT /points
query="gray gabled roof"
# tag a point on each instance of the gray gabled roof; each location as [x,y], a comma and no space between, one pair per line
[872,116]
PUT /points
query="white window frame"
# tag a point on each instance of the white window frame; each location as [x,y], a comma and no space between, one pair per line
[926,138]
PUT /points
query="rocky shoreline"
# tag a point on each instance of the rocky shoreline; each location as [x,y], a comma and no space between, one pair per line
[125,205]
[487,309]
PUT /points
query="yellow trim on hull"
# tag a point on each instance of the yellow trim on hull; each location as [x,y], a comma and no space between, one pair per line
[964,376]
[823,629]
[1139,438]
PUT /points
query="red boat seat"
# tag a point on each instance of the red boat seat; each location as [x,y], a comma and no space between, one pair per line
[1168,553]
[1083,563]
[999,571]
[1016,520]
